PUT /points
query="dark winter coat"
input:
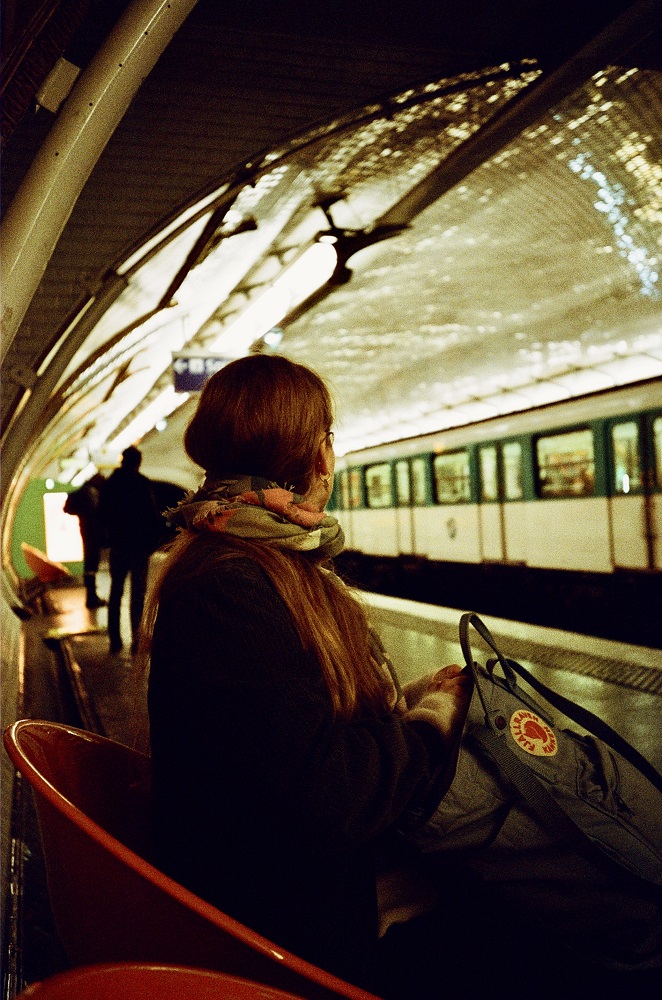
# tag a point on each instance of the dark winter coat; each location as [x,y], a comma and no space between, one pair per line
[265,804]
[128,512]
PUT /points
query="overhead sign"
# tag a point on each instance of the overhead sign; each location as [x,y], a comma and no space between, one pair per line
[191,371]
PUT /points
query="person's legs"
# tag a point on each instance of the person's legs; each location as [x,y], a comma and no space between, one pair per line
[119,568]
[92,599]
[139,566]
[91,554]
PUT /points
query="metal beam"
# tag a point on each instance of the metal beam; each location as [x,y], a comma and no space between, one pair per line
[41,207]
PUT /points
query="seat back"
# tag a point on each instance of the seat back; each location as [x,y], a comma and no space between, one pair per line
[109,902]
[129,980]
[45,569]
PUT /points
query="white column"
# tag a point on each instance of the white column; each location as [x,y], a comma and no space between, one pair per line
[41,207]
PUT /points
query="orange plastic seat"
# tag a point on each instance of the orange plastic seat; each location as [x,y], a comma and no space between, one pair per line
[109,902]
[138,981]
[45,569]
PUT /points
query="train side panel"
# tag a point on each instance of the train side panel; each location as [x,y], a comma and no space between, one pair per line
[375,532]
[515,535]
[628,525]
[569,534]
[450,532]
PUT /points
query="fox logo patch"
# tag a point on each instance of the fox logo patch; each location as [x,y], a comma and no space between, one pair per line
[532,734]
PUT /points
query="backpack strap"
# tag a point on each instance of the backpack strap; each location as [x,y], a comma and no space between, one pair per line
[553,817]
[592,723]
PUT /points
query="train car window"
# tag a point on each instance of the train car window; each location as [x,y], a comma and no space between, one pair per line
[512,470]
[419,491]
[657,443]
[344,490]
[355,490]
[403,483]
[333,502]
[489,479]
[451,476]
[626,458]
[378,485]
[566,464]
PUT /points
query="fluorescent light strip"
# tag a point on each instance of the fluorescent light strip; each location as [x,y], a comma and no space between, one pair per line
[162,406]
[163,234]
[294,285]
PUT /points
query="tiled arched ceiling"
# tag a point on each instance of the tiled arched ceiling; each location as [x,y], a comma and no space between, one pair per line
[531,279]
[536,279]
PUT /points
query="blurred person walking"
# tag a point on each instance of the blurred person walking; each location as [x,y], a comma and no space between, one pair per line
[134,529]
[84,504]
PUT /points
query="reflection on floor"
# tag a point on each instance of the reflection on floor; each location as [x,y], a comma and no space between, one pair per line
[621,684]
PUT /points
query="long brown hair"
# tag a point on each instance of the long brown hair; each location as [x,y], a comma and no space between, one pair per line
[265,416]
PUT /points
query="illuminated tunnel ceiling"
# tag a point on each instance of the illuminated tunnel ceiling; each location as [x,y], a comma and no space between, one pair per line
[533,279]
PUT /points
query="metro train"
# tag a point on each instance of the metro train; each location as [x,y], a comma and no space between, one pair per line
[574,486]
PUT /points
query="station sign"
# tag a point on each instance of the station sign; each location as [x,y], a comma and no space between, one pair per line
[191,371]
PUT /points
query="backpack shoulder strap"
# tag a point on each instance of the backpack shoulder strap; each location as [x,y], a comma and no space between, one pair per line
[552,815]
[595,725]
[592,723]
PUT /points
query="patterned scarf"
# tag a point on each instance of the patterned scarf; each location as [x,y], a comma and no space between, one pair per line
[259,510]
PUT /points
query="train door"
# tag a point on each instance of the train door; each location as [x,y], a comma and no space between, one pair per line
[631,513]
[502,525]
[356,496]
[654,494]
[423,527]
[491,510]
[513,506]
[568,525]
[344,503]
[404,510]
[379,529]
[453,531]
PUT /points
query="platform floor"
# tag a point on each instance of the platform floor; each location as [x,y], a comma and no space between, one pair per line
[622,684]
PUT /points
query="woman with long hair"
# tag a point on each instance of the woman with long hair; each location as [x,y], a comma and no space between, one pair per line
[283,751]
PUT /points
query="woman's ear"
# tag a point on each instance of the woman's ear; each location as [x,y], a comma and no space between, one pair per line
[322,461]
[320,489]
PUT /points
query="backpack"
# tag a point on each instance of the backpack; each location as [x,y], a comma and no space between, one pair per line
[567,827]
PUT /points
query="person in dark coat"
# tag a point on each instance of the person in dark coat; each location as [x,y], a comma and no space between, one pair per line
[282,752]
[84,504]
[134,529]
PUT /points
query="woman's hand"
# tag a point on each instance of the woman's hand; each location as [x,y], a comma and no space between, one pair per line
[445,699]
[456,684]
[453,679]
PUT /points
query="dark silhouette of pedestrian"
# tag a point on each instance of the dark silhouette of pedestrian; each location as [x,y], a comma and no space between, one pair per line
[84,504]
[134,529]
